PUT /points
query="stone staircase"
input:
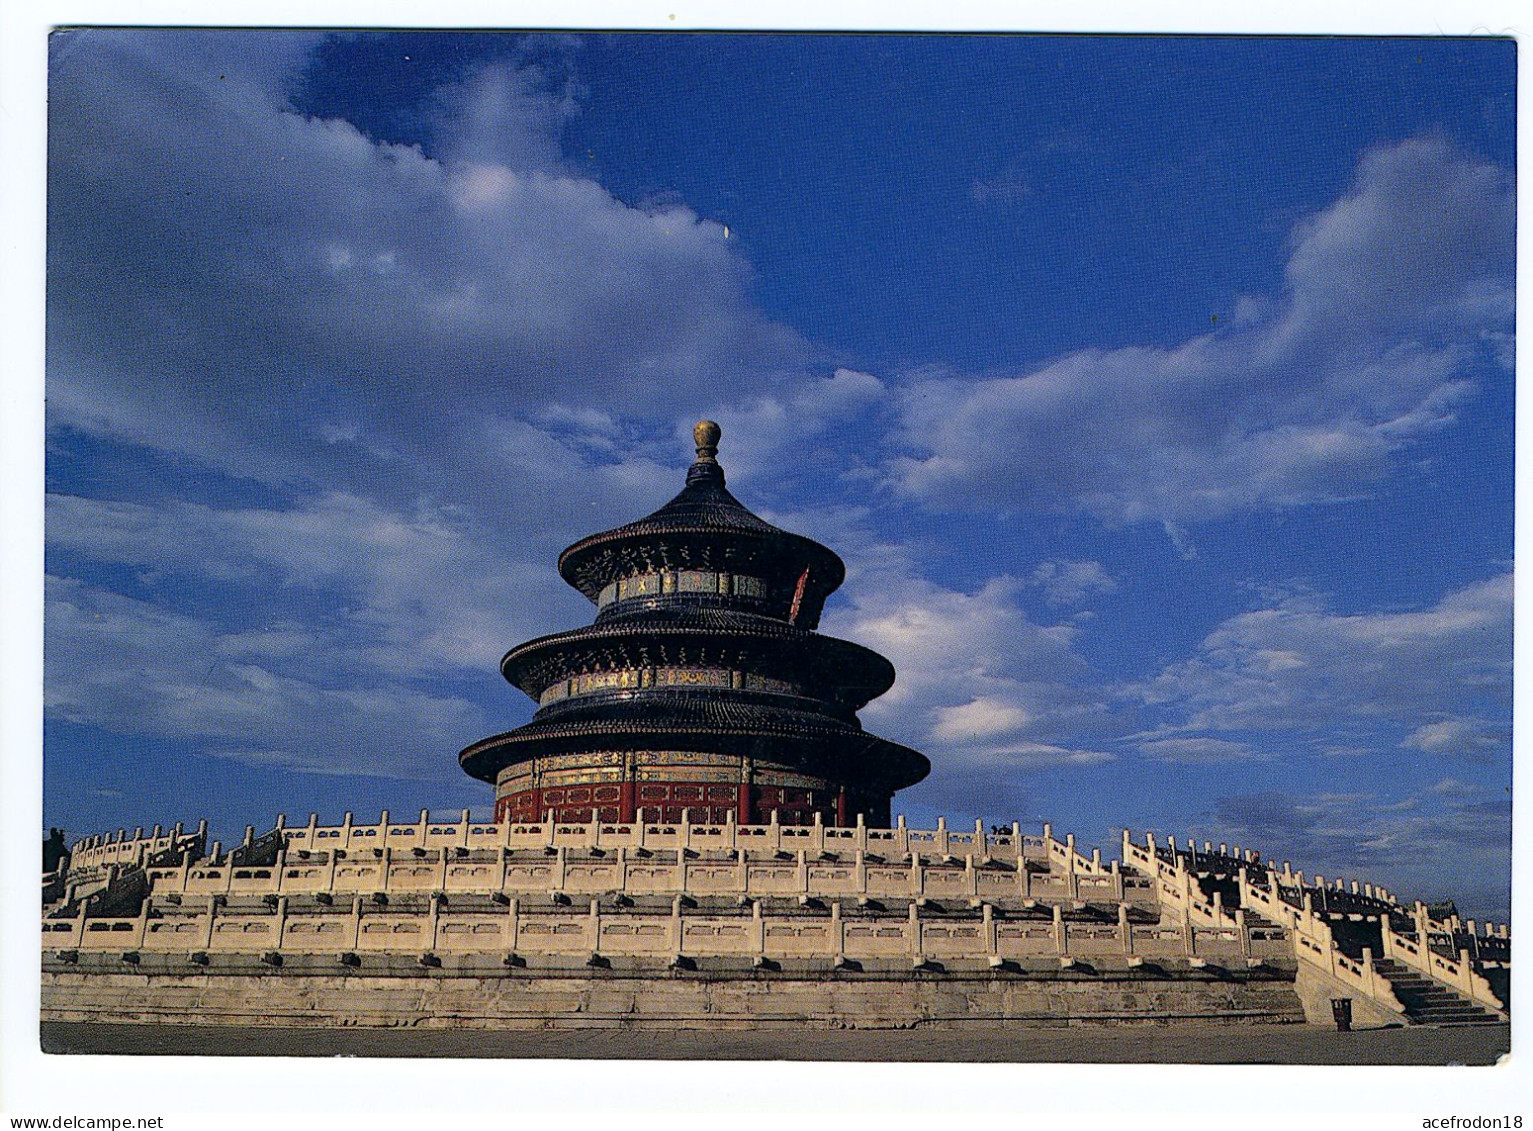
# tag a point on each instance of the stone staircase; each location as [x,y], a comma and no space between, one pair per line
[1429,1002]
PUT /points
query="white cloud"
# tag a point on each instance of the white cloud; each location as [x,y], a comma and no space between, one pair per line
[127,666]
[405,593]
[223,271]
[979,684]
[784,434]
[1070,583]
[1395,298]
[1438,679]
[1456,736]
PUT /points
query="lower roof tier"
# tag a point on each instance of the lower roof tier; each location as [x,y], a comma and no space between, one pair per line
[785,735]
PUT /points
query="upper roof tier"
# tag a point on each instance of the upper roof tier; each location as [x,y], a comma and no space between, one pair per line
[706,529]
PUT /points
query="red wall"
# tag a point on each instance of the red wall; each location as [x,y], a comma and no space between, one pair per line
[709,802]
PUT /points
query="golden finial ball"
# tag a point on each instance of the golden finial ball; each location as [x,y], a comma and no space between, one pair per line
[705,433]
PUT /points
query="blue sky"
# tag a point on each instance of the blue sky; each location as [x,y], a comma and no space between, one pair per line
[1157,392]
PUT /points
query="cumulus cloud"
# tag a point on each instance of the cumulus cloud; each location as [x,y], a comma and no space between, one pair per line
[404,593]
[980,686]
[796,432]
[1396,297]
[1437,680]
[1070,583]
[234,281]
[128,666]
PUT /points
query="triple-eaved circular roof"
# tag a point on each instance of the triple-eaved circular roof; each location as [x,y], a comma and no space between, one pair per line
[758,625]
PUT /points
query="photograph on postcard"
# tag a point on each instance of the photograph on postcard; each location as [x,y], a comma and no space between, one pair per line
[745,545]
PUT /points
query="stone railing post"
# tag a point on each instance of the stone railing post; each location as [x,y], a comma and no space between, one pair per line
[987,922]
[356,922]
[914,927]
[207,923]
[942,840]
[758,929]
[970,876]
[837,928]
[981,840]
[513,926]
[281,917]
[1125,929]
[388,865]
[141,927]
[558,876]
[801,873]
[1240,930]
[1061,935]
[593,926]
[901,835]
[917,879]
[433,919]
[859,872]
[1370,977]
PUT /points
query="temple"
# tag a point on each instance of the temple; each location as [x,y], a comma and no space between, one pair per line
[694,831]
[702,689]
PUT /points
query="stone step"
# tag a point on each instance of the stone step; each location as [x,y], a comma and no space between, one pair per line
[1428,1002]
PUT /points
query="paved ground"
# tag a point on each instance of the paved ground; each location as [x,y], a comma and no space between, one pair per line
[1178,1044]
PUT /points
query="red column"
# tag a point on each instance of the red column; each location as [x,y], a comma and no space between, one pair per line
[626,811]
[743,804]
[841,806]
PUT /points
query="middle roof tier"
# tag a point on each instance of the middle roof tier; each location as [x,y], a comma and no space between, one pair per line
[670,637]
